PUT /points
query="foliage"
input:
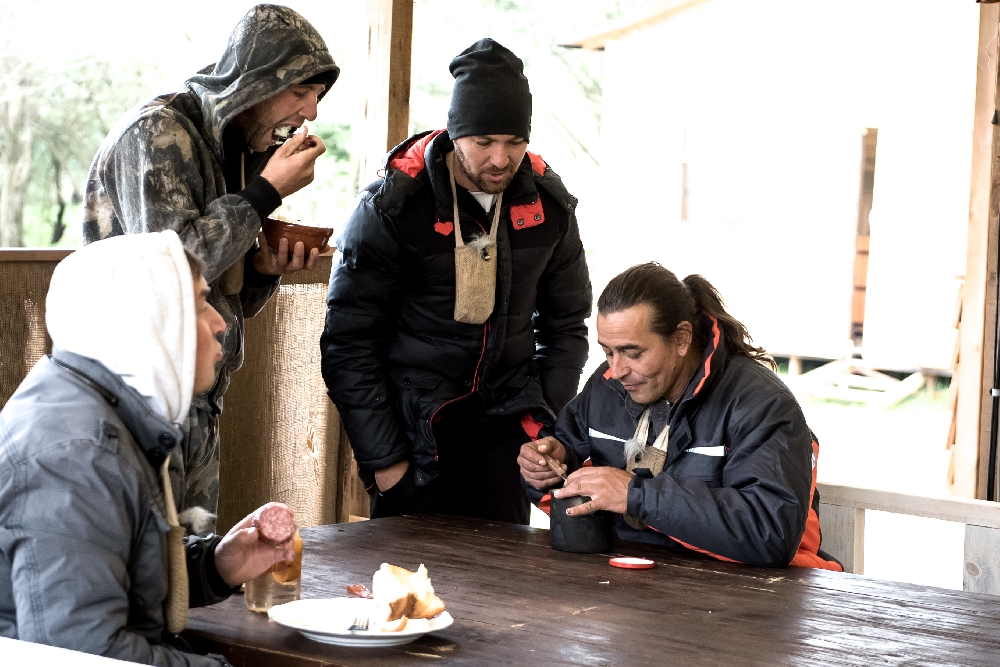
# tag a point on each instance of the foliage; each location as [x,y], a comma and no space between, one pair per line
[76,109]
[73,96]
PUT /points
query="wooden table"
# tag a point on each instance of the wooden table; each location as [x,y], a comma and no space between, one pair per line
[518,602]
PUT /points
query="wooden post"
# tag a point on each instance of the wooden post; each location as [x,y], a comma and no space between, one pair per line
[387,110]
[982,566]
[844,535]
[972,427]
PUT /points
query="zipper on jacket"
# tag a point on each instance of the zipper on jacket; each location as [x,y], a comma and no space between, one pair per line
[475,387]
[475,374]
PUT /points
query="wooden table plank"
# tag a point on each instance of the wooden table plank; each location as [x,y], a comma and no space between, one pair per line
[516,601]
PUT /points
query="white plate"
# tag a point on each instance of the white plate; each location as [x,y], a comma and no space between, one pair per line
[327,619]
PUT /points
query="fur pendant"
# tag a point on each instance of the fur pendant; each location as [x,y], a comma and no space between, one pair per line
[633,448]
[480,242]
[197,520]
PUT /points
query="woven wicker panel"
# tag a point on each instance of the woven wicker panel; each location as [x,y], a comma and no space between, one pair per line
[282,439]
[23,338]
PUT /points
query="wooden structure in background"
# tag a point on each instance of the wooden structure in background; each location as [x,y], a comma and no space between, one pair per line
[975,379]
[869,145]
[618,30]
[387,108]
[25,275]
[851,378]
[282,439]
[842,513]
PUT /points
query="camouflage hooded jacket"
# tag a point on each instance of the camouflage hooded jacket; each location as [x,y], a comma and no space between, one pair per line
[165,166]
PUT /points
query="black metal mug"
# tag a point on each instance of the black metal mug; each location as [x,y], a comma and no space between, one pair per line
[587,534]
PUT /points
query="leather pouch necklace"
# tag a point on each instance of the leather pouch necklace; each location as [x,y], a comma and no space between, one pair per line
[176,604]
[475,263]
[651,457]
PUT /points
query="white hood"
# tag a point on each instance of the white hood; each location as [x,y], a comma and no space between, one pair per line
[128,302]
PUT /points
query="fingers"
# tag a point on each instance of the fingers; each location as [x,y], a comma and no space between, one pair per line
[313,257]
[263,261]
[529,459]
[535,469]
[606,487]
[297,262]
[541,480]
[313,148]
[549,445]
[290,147]
[583,509]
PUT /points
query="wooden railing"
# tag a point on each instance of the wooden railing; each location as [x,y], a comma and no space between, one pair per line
[842,516]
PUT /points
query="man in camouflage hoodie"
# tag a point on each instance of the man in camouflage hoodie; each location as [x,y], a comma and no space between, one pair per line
[208,163]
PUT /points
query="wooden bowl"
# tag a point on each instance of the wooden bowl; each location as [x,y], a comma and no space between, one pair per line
[311,237]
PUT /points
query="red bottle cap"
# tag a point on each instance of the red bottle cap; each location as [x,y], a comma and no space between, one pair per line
[632,563]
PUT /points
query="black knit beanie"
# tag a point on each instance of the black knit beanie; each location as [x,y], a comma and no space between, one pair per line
[491,94]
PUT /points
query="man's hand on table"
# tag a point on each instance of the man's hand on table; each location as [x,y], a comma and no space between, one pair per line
[276,264]
[534,468]
[240,556]
[386,478]
[607,488]
[292,167]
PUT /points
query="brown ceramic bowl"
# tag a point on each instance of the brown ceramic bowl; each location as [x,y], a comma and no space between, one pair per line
[311,237]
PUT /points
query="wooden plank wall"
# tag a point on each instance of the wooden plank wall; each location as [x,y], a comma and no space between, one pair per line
[979,289]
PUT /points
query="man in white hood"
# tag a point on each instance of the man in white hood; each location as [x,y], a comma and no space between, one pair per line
[87,507]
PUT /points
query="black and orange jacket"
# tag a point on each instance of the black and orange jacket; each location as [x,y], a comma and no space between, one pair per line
[739,482]
[393,354]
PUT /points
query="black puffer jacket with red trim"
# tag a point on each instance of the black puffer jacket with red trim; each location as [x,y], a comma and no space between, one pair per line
[739,479]
[393,353]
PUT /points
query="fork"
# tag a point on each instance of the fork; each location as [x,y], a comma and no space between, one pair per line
[360,624]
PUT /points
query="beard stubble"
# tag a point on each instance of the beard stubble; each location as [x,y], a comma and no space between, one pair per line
[480,182]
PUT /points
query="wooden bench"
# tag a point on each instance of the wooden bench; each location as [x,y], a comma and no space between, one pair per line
[842,516]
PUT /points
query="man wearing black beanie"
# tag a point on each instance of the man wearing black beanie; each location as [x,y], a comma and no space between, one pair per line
[446,348]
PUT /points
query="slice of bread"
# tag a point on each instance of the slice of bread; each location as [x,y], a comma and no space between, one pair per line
[399,592]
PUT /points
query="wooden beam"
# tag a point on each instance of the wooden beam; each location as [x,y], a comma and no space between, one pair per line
[387,109]
[960,510]
[34,254]
[972,427]
[619,29]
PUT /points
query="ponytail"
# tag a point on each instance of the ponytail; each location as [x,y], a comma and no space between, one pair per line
[738,340]
[673,301]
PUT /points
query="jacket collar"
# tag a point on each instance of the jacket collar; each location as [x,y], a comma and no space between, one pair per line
[154,434]
[423,156]
[520,191]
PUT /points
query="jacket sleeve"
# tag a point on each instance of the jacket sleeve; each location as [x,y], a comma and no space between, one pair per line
[758,515]
[154,177]
[205,585]
[564,301]
[361,304]
[571,431]
[257,287]
[70,563]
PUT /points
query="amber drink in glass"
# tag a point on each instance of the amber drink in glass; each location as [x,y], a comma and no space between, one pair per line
[280,584]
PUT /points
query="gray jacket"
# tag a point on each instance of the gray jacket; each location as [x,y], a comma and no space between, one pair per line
[83,549]
[170,164]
